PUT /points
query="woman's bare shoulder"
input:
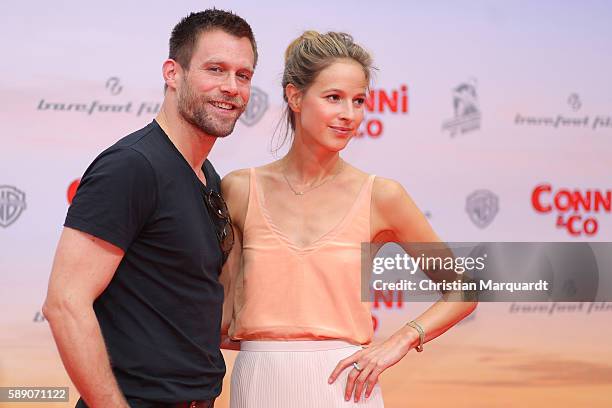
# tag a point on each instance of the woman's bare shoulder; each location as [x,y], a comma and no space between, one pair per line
[383,189]
[235,185]
[354,174]
[235,191]
[235,181]
[270,169]
[387,191]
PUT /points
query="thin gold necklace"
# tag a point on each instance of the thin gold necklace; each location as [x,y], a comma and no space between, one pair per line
[302,192]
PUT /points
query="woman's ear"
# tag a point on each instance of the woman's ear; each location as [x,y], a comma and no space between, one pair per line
[294,97]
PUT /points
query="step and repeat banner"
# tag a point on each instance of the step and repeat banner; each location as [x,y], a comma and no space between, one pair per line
[495,116]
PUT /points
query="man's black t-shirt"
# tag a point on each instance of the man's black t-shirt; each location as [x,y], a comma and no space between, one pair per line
[161,313]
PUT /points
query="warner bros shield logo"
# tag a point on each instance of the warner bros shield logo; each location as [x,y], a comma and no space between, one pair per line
[482,207]
[257,107]
[12,204]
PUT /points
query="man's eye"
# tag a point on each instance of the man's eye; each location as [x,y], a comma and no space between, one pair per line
[214,69]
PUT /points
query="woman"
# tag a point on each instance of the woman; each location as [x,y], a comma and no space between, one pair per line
[293,278]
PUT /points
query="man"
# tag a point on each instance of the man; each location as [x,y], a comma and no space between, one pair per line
[134,301]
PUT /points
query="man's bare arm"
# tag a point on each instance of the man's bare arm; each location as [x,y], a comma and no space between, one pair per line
[83,267]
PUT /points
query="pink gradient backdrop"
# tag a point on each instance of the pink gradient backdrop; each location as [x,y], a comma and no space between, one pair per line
[525,58]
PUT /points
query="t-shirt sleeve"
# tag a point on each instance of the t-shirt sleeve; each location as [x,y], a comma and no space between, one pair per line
[116,197]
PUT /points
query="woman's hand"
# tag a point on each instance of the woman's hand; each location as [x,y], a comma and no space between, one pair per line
[373,361]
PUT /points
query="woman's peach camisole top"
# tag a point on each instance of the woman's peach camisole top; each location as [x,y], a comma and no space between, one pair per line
[284,292]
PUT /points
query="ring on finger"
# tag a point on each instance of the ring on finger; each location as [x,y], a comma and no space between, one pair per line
[356,366]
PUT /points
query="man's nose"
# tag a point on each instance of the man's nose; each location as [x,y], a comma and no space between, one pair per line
[230,85]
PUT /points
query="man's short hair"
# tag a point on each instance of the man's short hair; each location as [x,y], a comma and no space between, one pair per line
[185,34]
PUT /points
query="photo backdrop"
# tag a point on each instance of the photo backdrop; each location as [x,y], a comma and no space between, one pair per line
[495,116]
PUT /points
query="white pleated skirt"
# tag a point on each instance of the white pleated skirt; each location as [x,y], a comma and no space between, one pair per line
[293,374]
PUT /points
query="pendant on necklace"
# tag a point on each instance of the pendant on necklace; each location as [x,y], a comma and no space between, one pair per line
[299,193]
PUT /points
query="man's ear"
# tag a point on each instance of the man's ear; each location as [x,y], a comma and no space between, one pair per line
[294,97]
[172,72]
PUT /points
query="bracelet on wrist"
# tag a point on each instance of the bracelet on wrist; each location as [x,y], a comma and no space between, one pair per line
[419,329]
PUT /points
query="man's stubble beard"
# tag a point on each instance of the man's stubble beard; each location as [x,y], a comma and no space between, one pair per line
[194,110]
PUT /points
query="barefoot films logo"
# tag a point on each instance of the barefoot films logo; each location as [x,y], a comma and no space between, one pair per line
[99,106]
[567,121]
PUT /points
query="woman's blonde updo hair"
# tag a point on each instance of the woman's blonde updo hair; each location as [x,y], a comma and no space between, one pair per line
[311,53]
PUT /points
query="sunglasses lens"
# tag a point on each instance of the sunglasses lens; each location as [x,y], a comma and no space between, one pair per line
[222,221]
[227,242]
[218,205]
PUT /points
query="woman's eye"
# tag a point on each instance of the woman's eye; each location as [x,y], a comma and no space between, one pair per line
[333,98]
[359,101]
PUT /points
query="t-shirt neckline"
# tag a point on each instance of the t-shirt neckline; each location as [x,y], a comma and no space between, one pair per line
[207,176]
